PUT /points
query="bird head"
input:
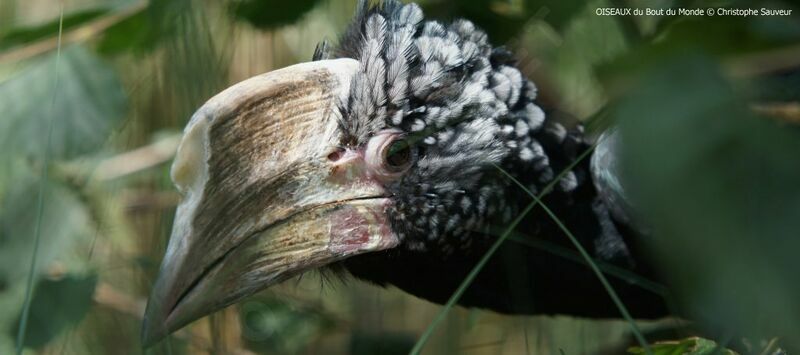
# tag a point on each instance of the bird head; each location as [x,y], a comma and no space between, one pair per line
[389,142]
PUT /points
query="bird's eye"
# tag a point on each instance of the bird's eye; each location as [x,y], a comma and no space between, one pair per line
[389,155]
[397,154]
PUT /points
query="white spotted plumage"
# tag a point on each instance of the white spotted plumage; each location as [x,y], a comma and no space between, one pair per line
[468,106]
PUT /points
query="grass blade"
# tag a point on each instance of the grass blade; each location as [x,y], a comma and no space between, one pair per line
[489,253]
[606,268]
[610,290]
[26,305]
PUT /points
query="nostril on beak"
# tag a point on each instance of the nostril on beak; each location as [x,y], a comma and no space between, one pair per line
[346,165]
[345,158]
[336,155]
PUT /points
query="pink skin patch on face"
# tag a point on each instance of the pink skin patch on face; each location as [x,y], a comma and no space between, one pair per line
[366,163]
[360,228]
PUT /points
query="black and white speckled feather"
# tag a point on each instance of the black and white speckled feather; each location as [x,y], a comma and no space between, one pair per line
[467,109]
[395,158]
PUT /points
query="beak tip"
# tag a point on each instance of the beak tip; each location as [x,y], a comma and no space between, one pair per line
[153,330]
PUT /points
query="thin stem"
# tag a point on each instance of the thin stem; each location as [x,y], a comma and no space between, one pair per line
[610,290]
[608,269]
[489,253]
[26,306]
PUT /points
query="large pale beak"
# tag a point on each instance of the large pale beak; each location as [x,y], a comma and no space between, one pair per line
[262,201]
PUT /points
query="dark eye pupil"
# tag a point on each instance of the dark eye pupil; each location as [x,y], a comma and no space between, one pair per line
[398,153]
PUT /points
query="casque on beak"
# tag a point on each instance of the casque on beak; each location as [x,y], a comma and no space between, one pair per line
[262,198]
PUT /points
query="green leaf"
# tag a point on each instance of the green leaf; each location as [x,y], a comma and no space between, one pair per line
[500,21]
[56,305]
[23,35]
[386,343]
[90,102]
[269,14]
[145,30]
[138,33]
[556,12]
[719,186]
[271,325]
[64,220]
[720,37]
[587,41]
[688,346]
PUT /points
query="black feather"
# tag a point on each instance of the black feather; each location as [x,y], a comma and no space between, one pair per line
[470,110]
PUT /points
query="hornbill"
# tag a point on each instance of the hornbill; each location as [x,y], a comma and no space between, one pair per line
[382,158]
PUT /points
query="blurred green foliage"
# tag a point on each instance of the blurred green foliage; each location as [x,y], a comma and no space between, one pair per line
[88,102]
[23,35]
[719,186]
[268,14]
[366,343]
[66,223]
[145,30]
[503,20]
[272,325]
[56,305]
[689,346]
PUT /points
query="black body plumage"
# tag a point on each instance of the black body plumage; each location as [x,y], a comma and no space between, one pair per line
[468,110]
